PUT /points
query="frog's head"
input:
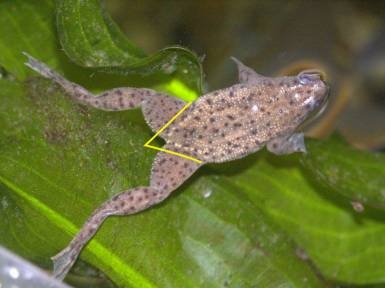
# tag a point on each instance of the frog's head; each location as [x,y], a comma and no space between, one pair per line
[309,94]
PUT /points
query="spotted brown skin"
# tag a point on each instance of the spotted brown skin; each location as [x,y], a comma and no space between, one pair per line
[230,123]
[220,126]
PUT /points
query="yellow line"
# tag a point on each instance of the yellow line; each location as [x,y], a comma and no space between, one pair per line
[147,144]
[174,153]
[168,123]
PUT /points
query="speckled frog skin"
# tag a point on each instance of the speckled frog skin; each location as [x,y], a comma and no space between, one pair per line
[220,126]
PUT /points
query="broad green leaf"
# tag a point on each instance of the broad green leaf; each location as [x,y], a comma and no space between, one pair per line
[43,210]
[91,39]
[357,175]
[59,161]
[345,245]
[26,26]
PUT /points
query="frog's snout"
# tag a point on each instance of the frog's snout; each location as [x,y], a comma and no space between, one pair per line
[314,79]
[311,75]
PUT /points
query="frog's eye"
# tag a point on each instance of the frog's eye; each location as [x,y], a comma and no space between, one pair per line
[309,76]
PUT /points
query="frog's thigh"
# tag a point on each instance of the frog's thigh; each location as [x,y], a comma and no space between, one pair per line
[246,74]
[287,145]
[170,171]
[159,109]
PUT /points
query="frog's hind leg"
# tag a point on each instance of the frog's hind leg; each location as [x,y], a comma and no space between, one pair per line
[157,107]
[159,110]
[168,173]
[125,203]
[112,100]
[287,145]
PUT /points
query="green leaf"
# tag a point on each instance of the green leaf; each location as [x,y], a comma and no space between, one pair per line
[26,26]
[60,161]
[357,175]
[91,39]
[344,245]
[30,26]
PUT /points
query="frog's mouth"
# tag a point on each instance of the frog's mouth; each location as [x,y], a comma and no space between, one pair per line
[318,111]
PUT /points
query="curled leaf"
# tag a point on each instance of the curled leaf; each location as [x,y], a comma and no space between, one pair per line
[91,39]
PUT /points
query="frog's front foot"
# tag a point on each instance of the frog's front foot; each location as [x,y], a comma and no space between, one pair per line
[287,145]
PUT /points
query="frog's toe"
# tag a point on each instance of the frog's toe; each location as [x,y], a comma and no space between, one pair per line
[297,141]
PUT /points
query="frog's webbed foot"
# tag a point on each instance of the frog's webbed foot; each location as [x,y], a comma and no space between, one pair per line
[62,262]
[287,145]
[246,74]
[41,68]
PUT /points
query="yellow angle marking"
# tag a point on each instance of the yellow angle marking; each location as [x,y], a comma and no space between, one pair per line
[147,144]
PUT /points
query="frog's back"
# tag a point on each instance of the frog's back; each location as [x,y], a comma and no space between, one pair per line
[223,125]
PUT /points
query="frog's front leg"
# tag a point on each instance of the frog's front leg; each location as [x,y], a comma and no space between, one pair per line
[246,74]
[168,173]
[287,145]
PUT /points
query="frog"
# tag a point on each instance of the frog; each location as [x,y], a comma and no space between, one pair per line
[220,126]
